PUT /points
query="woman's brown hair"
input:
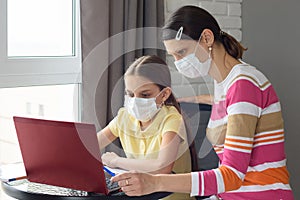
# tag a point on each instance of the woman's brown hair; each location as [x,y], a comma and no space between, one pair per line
[194,20]
[157,71]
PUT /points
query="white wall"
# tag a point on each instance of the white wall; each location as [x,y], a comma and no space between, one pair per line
[228,14]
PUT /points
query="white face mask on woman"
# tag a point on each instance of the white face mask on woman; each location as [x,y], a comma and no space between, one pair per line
[143,109]
[190,66]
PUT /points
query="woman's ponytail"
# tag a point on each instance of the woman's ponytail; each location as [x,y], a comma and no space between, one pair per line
[231,45]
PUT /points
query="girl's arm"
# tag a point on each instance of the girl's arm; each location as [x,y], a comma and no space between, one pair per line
[137,184]
[163,164]
[105,137]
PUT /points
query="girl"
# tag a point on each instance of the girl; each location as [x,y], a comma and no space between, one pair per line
[150,126]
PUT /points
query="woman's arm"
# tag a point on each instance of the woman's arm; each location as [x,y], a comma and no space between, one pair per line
[163,164]
[204,98]
[105,137]
[137,184]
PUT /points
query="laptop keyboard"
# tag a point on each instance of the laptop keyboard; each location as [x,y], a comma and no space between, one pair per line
[112,186]
[40,188]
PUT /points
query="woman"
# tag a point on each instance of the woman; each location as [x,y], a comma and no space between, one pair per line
[150,126]
[245,128]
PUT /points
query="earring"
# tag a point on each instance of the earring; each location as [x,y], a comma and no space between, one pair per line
[210,50]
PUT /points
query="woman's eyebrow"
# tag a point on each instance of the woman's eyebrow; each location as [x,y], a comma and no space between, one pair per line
[177,50]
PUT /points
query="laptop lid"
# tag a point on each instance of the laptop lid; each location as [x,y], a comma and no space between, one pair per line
[60,153]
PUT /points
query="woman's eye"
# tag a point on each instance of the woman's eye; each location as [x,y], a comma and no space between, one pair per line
[181,52]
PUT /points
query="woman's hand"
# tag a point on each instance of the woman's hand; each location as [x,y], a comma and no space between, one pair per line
[110,159]
[136,184]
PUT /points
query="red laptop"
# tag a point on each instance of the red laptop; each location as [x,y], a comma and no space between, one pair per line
[60,153]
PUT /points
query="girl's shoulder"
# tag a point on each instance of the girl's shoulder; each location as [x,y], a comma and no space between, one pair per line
[170,110]
[123,114]
[168,113]
[122,111]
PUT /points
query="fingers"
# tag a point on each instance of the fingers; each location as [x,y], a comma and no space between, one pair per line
[127,183]
[109,154]
[109,159]
[123,176]
[127,186]
[131,191]
[134,183]
[104,159]
[124,183]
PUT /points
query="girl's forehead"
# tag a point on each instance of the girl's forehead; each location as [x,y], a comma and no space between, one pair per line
[134,83]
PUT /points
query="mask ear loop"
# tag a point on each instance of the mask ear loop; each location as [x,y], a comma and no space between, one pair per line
[197,44]
[209,48]
[163,102]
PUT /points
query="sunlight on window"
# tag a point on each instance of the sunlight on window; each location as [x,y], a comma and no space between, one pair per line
[57,102]
[37,28]
[40,27]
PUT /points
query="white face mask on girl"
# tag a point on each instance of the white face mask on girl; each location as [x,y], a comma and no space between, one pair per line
[190,66]
[143,109]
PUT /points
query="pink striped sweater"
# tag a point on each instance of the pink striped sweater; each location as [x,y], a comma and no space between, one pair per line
[246,130]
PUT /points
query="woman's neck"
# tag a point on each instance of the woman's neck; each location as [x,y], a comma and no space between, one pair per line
[222,66]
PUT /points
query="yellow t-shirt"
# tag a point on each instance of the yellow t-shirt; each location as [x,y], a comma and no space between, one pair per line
[145,144]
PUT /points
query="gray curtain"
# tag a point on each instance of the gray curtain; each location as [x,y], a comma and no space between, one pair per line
[114,33]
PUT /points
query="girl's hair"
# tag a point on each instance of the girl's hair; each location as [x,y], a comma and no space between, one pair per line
[157,71]
[194,20]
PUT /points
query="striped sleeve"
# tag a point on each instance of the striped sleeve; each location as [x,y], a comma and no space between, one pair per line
[244,103]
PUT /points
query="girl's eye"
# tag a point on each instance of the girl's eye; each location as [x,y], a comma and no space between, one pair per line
[145,95]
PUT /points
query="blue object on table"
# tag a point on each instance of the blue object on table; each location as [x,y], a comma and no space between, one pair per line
[109,171]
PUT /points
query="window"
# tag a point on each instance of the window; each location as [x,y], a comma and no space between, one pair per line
[41,42]
[56,102]
[47,30]
[40,65]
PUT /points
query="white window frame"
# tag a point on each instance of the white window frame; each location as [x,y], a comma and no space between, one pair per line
[31,71]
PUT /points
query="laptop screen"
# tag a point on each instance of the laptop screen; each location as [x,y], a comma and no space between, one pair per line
[60,153]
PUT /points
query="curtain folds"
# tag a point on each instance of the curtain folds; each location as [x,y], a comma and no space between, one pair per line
[114,33]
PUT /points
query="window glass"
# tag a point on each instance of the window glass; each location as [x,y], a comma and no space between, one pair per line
[56,102]
[40,28]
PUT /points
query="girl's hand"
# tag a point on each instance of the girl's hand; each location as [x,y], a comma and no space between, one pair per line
[110,159]
[136,184]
